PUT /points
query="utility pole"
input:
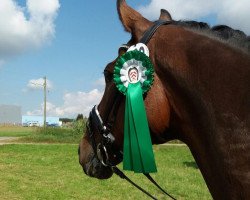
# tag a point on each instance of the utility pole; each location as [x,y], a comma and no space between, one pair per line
[45,99]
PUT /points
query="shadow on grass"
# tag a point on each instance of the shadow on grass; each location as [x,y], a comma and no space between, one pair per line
[190,164]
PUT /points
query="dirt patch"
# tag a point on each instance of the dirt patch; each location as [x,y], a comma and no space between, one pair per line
[7,140]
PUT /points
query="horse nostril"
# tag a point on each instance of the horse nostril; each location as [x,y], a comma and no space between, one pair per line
[88,169]
[85,170]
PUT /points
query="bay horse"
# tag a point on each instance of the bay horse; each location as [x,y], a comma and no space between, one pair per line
[201,96]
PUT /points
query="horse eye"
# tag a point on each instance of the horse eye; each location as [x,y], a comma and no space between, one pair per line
[108,76]
[123,49]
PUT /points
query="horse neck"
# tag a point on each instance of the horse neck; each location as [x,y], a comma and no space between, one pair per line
[206,82]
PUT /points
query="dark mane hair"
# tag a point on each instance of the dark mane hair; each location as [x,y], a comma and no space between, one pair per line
[232,36]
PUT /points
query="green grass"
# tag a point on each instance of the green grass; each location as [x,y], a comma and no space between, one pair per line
[52,172]
[41,135]
[15,131]
[53,135]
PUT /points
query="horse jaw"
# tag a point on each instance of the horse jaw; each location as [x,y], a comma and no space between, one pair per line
[158,112]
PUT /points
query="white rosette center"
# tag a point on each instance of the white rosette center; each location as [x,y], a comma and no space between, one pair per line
[132,71]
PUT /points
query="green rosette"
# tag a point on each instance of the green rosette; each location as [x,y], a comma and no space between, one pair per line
[133,76]
[145,64]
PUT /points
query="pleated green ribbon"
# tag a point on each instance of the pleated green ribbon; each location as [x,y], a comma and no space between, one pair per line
[138,153]
[137,150]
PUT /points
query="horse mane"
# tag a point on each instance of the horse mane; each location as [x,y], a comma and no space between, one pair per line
[224,33]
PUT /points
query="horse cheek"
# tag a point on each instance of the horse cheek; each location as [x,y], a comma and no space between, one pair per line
[158,111]
[85,151]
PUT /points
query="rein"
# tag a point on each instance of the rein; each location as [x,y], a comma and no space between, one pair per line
[102,150]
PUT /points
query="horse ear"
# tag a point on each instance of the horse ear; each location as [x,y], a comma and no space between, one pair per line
[165,15]
[132,21]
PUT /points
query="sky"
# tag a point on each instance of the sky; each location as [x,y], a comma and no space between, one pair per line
[70,42]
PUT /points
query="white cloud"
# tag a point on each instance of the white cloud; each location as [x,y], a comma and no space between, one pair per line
[38,84]
[74,103]
[229,12]
[25,28]
[236,14]
[43,8]
[100,83]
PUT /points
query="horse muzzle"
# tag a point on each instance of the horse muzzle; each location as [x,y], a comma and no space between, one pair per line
[96,169]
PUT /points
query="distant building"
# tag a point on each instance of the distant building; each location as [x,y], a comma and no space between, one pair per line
[10,114]
[28,120]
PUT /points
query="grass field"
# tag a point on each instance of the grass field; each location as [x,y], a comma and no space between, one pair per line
[15,131]
[52,135]
[39,135]
[52,172]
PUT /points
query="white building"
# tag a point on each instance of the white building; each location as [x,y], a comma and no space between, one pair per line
[28,120]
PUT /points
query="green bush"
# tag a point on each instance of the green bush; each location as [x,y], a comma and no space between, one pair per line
[79,127]
[71,134]
[55,131]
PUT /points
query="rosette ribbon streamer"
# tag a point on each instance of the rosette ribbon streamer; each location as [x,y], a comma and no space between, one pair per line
[133,76]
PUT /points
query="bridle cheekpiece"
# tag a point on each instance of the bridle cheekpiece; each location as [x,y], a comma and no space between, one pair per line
[103,149]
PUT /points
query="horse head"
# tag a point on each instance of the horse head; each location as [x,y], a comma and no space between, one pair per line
[200,96]
[111,108]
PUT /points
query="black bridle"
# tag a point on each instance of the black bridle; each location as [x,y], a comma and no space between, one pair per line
[105,150]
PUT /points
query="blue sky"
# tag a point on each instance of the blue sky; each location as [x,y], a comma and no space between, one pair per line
[81,38]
